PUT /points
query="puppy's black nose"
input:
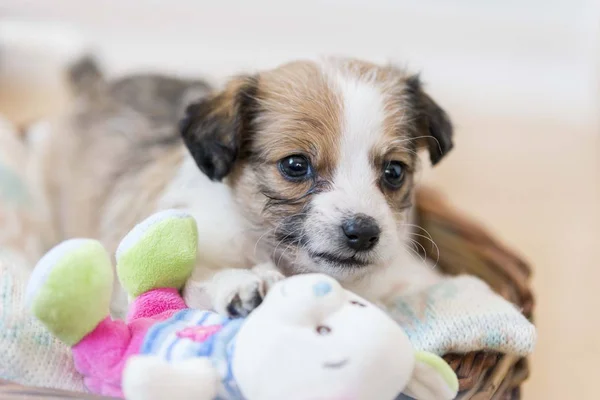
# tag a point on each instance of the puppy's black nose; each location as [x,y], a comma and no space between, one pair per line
[362,232]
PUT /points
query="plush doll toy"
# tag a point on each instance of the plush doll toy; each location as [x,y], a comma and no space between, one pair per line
[309,340]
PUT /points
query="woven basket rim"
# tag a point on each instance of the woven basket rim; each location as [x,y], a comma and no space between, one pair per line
[470,248]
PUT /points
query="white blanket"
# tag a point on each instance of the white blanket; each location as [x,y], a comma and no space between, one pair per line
[462,314]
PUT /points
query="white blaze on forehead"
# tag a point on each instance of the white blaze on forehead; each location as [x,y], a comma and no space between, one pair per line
[361,127]
[355,181]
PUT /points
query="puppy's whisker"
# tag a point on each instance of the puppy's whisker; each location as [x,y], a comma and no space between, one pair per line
[283,252]
[279,243]
[416,226]
[301,232]
[416,253]
[411,255]
[302,247]
[399,141]
[273,230]
[437,249]
[270,230]
[291,233]
[428,237]
[261,237]
[283,239]
[413,244]
[418,246]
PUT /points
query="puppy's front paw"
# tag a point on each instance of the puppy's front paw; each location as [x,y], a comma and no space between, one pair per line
[236,293]
[245,299]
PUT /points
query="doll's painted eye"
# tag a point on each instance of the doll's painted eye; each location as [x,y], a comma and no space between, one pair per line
[323,330]
[357,303]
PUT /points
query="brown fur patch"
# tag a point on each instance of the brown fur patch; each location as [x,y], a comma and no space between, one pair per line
[299,113]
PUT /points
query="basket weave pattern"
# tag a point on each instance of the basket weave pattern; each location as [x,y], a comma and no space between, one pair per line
[465,248]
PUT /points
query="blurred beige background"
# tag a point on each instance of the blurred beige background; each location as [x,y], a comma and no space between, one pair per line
[519,78]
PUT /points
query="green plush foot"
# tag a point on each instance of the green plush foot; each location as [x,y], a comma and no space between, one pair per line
[160,252]
[70,289]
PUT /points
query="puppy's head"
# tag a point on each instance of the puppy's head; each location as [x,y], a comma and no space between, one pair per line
[321,158]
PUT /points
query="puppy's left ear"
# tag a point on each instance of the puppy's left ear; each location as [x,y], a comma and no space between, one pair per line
[432,121]
[215,128]
[432,379]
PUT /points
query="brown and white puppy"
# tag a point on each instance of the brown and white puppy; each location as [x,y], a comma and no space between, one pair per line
[308,167]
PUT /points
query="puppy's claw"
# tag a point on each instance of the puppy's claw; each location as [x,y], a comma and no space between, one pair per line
[244,302]
[237,292]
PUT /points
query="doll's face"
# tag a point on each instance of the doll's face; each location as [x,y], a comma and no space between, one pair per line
[313,340]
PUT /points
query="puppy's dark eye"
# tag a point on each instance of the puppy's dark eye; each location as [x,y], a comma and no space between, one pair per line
[393,174]
[296,167]
[323,330]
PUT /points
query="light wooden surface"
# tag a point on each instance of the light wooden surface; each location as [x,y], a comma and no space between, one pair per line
[536,184]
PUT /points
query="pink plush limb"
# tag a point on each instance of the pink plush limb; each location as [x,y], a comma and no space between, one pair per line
[158,304]
[101,355]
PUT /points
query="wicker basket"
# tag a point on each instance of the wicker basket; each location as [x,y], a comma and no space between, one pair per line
[464,247]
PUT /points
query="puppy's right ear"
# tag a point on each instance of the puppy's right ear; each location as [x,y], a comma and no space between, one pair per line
[215,128]
[433,123]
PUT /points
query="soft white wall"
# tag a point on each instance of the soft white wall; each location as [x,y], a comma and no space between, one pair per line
[509,57]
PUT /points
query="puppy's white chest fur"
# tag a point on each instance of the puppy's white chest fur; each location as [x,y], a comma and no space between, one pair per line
[222,241]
